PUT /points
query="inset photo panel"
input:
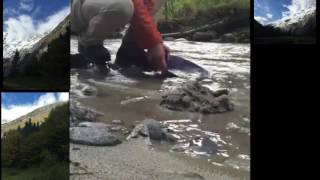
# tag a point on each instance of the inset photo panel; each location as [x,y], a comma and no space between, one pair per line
[35,135]
[284,22]
[160,89]
[36,43]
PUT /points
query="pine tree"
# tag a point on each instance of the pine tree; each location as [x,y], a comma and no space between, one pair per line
[15,64]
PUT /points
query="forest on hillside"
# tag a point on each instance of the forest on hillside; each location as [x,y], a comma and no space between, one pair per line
[47,70]
[38,151]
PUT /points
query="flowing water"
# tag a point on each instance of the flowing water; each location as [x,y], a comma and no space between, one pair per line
[136,97]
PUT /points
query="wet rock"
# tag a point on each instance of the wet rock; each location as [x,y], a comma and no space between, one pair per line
[93,134]
[217,40]
[232,127]
[244,130]
[152,129]
[228,37]
[220,92]
[96,125]
[245,121]
[116,128]
[203,36]
[79,113]
[89,91]
[179,147]
[194,97]
[186,99]
[206,147]
[181,39]
[169,39]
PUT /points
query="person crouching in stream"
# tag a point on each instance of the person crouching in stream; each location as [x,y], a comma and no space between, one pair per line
[94,20]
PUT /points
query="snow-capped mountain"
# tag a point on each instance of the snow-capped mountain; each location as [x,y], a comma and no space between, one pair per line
[33,43]
[302,22]
[31,47]
[9,47]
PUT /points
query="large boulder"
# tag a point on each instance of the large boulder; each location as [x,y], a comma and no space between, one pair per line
[93,134]
[79,113]
[194,97]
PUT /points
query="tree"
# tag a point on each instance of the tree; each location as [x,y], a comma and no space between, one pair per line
[55,132]
[10,149]
[46,143]
[15,64]
[32,68]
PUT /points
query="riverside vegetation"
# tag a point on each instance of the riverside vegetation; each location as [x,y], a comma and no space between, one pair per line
[206,20]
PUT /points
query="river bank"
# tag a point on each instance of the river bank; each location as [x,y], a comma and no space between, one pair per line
[135,160]
[231,27]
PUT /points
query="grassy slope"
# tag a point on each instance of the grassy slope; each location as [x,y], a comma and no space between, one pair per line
[36,116]
[14,125]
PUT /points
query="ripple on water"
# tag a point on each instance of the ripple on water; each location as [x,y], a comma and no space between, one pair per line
[194,141]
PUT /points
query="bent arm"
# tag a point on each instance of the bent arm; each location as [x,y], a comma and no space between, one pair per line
[143,27]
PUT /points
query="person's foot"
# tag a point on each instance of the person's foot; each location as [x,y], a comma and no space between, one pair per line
[95,53]
[102,70]
[130,54]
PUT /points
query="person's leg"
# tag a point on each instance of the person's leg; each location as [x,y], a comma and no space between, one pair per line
[103,17]
[130,53]
[78,23]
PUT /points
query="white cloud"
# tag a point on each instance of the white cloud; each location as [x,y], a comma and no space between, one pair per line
[53,20]
[36,11]
[10,12]
[262,20]
[19,28]
[262,11]
[26,5]
[297,6]
[24,26]
[15,111]
[63,96]
[257,4]
[269,15]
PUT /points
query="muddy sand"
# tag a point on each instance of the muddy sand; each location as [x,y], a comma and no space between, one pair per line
[135,160]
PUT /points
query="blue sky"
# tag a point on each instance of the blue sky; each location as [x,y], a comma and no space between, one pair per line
[14,105]
[266,11]
[26,18]
[38,9]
